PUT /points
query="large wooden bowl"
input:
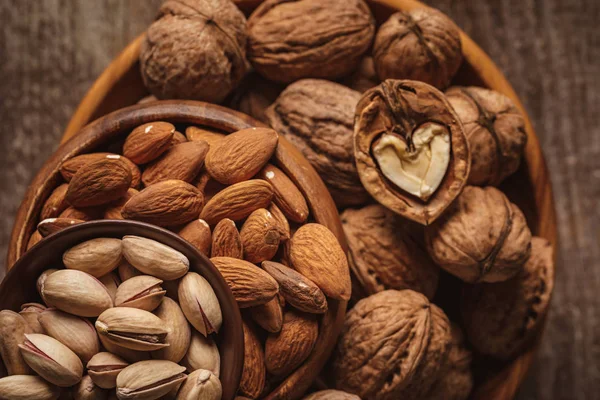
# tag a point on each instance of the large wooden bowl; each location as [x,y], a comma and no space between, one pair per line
[121,85]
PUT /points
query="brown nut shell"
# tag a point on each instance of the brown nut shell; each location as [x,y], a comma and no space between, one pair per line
[501,318]
[398,109]
[482,238]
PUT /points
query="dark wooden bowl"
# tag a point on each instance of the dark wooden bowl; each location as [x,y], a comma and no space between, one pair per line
[114,126]
[19,285]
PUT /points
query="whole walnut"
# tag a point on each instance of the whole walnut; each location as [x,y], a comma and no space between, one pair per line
[331,394]
[495,129]
[456,380]
[501,318]
[482,237]
[389,341]
[422,44]
[365,77]
[387,252]
[295,39]
[255,95]
[317,116]
[196,49]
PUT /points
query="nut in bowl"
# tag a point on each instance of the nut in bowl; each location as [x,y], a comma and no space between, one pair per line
[132,343]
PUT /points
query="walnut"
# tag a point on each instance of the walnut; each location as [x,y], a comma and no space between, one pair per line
[456,380]
[483,237]
[295,39]
[387,339]
[410,149]
[387,252]
[422,44]
[365,77]
[495,129]
[195,49]
[255,95]
[317,116]
[500,319]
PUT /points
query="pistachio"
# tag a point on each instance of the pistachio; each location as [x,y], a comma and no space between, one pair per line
[199,303]
[86,390]
[132,328]
[30,312]
[203,353]
[13,327]
[104,368]
[131,356]
[154,258]
[41,281]
[179,335]
[148,380]
[112,282]
[143,292]
[126,270]
[77,333]
[97,256]
[77,293]
[51,359]
[27,387]
[201,385]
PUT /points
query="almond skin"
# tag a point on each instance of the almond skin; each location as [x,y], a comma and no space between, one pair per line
[226,240]
[52,225]
[251,286]
[287,196]
[254,372]
[71,166]
[56,203]
[147,142]
[99,183]
[288,349]
[198,234]
[240,155]
[210,136]
[183,162]
[260,236]
[84,214]
[114,210]
[269,315]
[238,201]
[316,253]
[178,138]
[167,203]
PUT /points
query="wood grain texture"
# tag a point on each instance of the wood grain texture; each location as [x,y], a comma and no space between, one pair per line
[549,50]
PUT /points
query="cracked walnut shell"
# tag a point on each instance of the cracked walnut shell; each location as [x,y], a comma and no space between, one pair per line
[386,340]
[422,44]
[495,129]
[411,152]
[501,318]
[482,238]
[195,50]
[387,252]
[295,39]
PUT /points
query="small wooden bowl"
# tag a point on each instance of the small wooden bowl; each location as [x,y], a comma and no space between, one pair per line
[19,285]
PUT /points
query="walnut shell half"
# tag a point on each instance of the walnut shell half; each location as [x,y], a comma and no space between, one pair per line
[411,151]
[422,44]
[495,129]
[501,318]
[387,338]
[387,252]
[295,39]
[195,50]
[482,238]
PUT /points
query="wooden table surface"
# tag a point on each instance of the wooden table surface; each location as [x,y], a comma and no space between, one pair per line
[52,50]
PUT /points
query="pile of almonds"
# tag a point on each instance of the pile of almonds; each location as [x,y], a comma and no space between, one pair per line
[110,328]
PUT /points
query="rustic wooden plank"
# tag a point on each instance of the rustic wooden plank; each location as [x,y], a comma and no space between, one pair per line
[51,51]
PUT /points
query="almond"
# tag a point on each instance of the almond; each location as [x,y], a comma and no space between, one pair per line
[98,183]
[238,201]
[34,239]
[297,290]
[254,372]
[282,221]
[251,286]
[208,186]
[269,315]
[178,138]
[183,162]
[240,155]
[71,166]
[288,349]
[52,225]
[211,136]
[316,253]
[56,203]
[84,214]
[260,236]
[286,195]
[198,234]
[226,240]
[114,210]
[166,203]
[146,142]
